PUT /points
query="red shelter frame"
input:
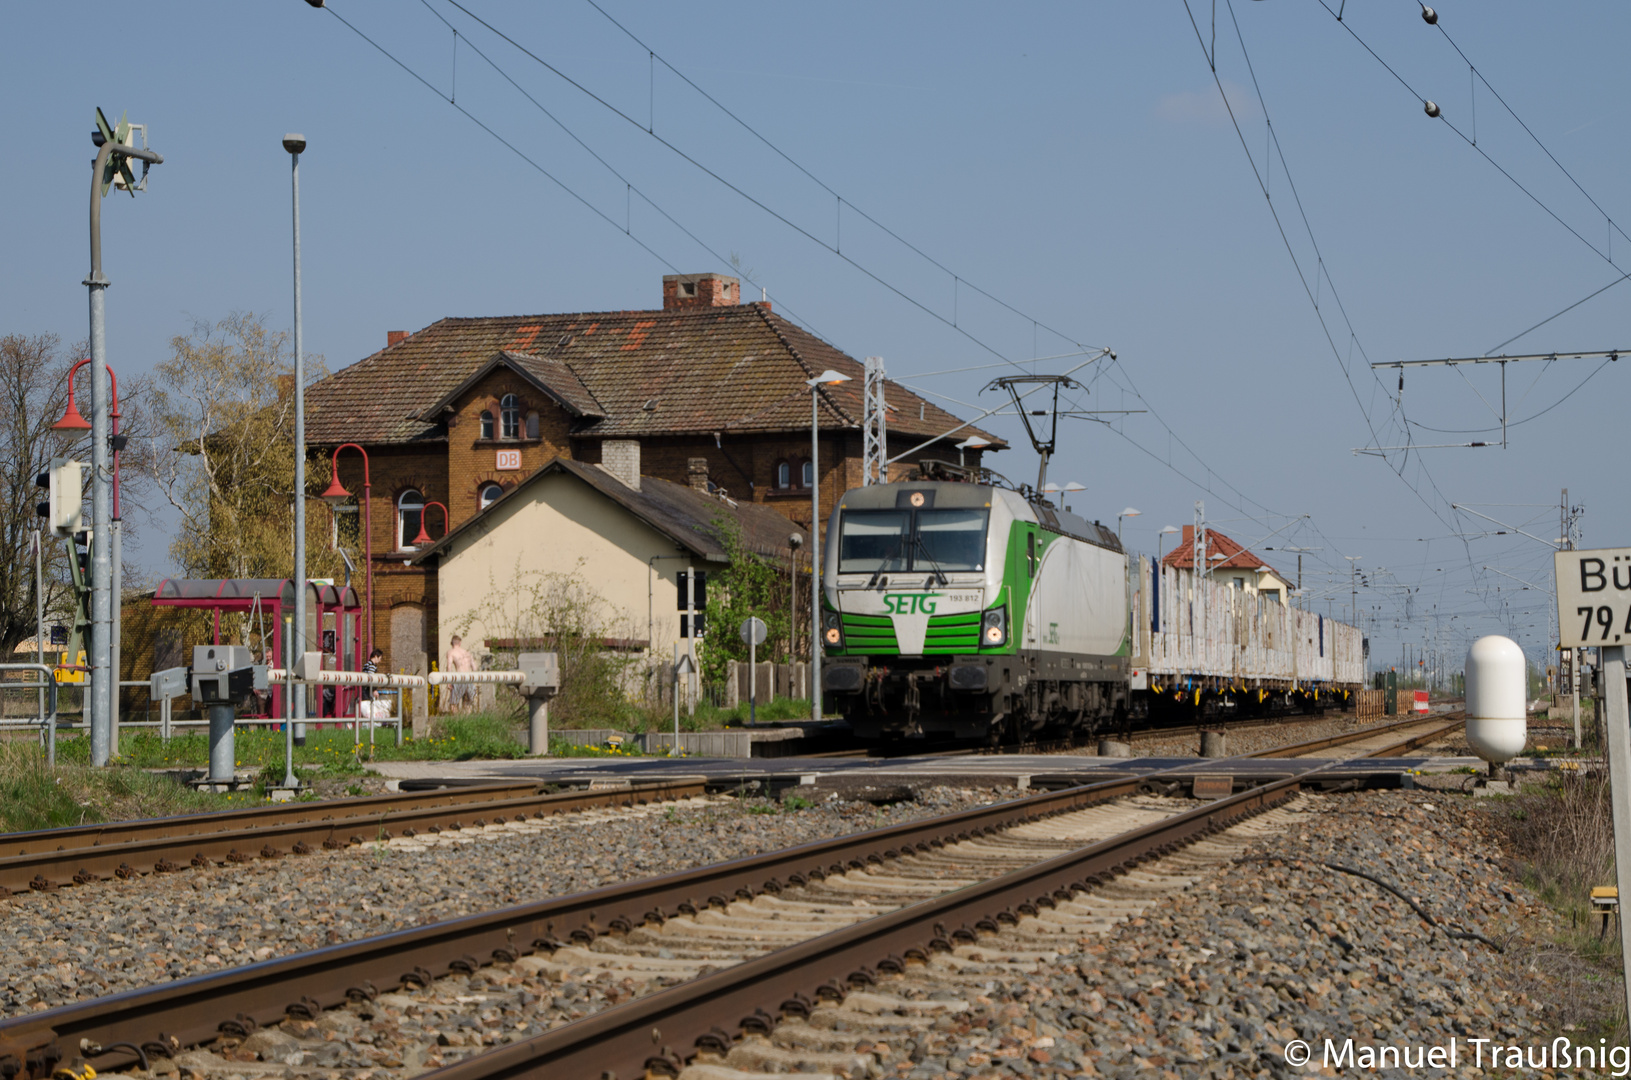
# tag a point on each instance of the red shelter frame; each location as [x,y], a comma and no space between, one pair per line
[331,608]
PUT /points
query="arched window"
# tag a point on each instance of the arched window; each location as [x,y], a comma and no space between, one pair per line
[808,472]
[486,424]
[784,475]
[410,508]
[509,414]
[488,495]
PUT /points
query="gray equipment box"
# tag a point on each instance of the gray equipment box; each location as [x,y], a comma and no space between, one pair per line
[541,674]
[169,683]
[222,674]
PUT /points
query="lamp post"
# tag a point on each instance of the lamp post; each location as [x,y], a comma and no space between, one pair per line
[295,144]
[115,148]
[72,427]
[335,496]
[826,378]
[1127,513]
[973,442]
[1161,540]
[423,537]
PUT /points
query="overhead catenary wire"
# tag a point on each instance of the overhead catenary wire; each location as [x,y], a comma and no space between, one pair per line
[715,175]
[1321,268]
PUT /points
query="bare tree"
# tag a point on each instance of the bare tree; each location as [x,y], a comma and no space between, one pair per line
[223,406]
[33,396]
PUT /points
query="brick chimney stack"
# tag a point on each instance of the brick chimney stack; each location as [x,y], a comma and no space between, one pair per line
[700,290]
[394,336]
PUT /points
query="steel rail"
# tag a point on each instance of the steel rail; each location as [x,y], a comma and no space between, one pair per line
[196,1010]
[620,1040]
[120,832]
[44,860]
[1313,745]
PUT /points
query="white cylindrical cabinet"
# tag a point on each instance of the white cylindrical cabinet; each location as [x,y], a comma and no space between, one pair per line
[1496,674]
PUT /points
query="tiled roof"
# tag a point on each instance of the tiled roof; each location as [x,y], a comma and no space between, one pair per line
[1235,557]
[683,514]
[685,371]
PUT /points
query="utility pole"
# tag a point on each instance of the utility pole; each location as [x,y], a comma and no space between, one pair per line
[295,712]
[115,150]
[1566,537]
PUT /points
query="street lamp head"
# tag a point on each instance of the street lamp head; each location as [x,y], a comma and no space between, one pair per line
[337,495]
[827,378]
[72,423]
[294,144]
[1130,512]
[795,541]
[973,442]
[1168,530]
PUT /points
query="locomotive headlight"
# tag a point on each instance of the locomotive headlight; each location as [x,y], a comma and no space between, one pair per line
[832,629]
[994,627]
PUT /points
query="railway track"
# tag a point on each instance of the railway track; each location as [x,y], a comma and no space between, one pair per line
[788,930]
[53,858]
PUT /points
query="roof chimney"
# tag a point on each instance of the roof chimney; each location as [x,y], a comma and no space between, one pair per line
[700,290]
[394,336]
[621,458]
[696,470]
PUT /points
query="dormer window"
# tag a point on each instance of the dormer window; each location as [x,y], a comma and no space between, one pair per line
[486,424]
[509,414]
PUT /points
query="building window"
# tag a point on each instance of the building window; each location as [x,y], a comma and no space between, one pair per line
[532,425]
[509,414]
[808,472]
[486,424]
[410,509]
[784,475]
[489,494]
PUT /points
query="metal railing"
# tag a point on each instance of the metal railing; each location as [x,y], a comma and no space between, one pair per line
[47,720]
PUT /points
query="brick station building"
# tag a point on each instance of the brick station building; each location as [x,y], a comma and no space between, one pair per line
[706,391]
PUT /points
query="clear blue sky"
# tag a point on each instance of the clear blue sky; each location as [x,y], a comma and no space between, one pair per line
[1073,160]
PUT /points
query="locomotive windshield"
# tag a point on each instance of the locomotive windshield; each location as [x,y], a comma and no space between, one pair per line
[951,539]
[892,541]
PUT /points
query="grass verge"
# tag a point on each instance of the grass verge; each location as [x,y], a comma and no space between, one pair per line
[33,796]
[1561,832]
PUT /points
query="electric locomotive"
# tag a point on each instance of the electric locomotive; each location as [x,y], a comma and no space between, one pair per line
[963,610]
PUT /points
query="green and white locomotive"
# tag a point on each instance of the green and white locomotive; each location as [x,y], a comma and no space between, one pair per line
[963,610]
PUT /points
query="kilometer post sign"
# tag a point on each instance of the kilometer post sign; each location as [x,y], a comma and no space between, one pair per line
[1594,597]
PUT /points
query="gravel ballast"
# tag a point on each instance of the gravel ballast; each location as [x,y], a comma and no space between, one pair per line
[118,935]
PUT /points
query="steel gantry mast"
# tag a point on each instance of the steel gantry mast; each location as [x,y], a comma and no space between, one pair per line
[875,425]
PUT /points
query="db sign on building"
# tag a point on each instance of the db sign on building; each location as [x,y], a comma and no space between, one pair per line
[508,460]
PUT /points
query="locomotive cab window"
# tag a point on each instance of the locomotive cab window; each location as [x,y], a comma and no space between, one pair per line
[904,540]
[951,539]
[872,540]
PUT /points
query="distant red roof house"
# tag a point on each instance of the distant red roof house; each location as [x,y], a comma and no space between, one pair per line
[1235,557]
